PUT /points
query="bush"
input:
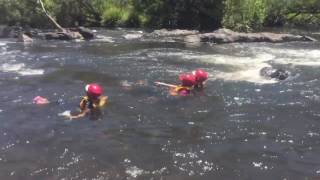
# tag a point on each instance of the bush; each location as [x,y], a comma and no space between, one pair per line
[245,15]
[301,19]
[113,16]
[20,12]
[190,14]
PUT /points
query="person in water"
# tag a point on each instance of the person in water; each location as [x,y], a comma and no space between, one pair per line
[93,100]
[185,88]
[201,76]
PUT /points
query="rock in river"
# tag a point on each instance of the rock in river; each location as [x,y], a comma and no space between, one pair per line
[228,36]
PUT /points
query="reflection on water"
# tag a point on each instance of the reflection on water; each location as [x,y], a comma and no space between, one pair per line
[242,126]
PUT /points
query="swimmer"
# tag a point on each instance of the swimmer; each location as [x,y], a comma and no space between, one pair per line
[201,76]
[93,100]
[186,87]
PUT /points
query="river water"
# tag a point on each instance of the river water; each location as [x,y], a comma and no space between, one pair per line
[243,126]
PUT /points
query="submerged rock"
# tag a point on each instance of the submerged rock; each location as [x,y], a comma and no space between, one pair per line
[70,35]
[86,33]
[227,36]
[272,73]
[175,32]
[24,38]
[223,35]
[132,36]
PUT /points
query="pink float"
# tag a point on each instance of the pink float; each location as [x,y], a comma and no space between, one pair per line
[40,100]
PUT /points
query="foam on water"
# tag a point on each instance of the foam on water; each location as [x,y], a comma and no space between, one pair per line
[65,113]
[132,36]
[244,68]
[6,67]
[303,57]
[134,171]
[30,72]
[20,69]
[246,62]
[101,38]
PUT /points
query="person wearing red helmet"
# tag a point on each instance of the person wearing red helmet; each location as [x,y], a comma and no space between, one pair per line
[187,83]
[93,100]
[201,76]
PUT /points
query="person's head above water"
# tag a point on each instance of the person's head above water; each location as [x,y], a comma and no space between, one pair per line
[200,75]
[94,90]
[188,80]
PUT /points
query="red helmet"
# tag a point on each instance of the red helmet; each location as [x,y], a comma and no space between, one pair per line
[94,89]
[200,75]
[187,79]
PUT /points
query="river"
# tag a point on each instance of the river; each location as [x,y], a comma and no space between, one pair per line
[243,126]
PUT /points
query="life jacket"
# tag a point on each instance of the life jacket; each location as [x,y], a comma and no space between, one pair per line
[89,103]
[180,89]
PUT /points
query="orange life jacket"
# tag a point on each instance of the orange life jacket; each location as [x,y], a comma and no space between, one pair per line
[180,88]
[90,104]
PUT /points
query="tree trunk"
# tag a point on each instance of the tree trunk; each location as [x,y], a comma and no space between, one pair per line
[51,18]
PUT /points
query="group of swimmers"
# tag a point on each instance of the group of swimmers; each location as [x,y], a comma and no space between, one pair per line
[95,99]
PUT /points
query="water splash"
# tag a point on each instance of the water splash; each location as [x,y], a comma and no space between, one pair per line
[21,69]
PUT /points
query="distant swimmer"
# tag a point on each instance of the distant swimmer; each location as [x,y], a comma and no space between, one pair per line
[93,100]
[201,76]
[272,73]
[185,88]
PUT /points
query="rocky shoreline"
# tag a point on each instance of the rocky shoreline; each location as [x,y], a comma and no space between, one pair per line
[223,35]
[219,36]
[28,34]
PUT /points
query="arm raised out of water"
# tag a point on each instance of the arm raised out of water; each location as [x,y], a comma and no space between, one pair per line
[174,89]
[165,84]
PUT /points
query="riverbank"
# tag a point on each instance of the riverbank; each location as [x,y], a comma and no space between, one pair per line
[190,36]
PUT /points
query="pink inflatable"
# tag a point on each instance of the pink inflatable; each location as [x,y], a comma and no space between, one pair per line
[40,100]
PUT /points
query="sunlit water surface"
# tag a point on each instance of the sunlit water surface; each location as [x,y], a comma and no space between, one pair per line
[243,126]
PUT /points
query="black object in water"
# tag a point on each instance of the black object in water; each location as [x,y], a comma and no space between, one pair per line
[278,74]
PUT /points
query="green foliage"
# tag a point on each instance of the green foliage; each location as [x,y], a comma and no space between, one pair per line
[205,14]
[276,12]
[20,12]
[313,19]
[244,15]
[114,16]
[249,15]
[303,13]
[119,13]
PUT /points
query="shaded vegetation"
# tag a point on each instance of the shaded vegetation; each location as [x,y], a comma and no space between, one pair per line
[243,15]
[205,14]
[248,15]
